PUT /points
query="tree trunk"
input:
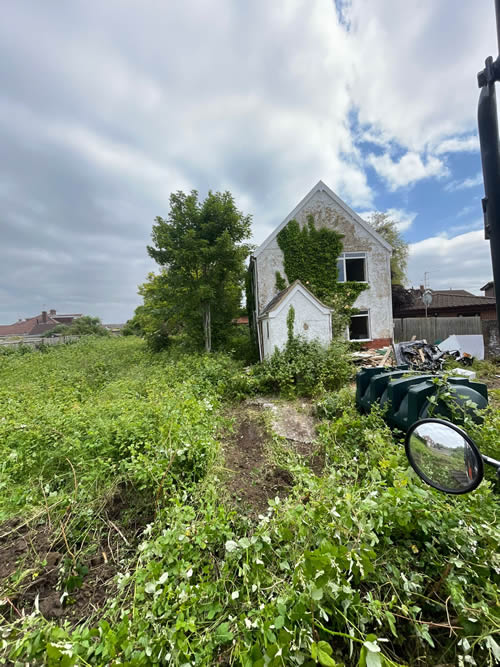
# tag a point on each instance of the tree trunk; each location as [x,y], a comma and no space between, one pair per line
[207,328]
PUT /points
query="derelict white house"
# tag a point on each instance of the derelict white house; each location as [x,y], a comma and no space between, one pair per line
[365,258]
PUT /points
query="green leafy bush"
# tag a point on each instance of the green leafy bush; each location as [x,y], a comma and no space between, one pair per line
[333,404]
[305,368]
[16,350]
[240,345]
[81,326]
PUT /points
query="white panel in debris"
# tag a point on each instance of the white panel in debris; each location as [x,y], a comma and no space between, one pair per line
[472,344]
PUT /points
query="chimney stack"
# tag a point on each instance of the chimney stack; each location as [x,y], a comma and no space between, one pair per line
[44,316]
[422,288]
[52,312]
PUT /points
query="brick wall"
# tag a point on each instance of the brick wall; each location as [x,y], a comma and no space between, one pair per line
[377,343]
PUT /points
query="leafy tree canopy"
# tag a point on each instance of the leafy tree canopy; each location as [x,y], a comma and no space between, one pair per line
[388,230]
[200,248]
[81,326]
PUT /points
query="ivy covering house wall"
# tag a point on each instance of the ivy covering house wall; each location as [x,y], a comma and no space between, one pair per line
[310,255]
[251,301]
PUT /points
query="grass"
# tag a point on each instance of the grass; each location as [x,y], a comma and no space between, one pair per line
[122,544]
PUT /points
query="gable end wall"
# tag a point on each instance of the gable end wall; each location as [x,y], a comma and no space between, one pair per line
[326,213]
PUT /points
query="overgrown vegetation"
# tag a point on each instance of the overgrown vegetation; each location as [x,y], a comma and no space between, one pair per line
[251,308]
[81,326]
[304,368]
[108,449]
[299,245]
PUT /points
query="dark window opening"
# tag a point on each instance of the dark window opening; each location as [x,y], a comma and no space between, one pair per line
[358,328]
[355,269]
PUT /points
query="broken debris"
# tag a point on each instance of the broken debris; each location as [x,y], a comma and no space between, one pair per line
[420,355]
[364,358]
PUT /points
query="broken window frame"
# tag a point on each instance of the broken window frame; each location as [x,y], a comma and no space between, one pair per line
[342,266]
[362,313]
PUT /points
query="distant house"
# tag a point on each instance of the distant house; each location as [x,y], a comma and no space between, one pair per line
[37,325]
[488,289]
[365,258]
[448,303]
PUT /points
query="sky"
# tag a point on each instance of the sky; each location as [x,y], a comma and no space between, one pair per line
[108,107]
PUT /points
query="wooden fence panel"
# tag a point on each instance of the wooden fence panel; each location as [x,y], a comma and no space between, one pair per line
[434,329]
[36,341]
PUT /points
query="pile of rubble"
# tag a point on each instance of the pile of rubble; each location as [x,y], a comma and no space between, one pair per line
[417,354]
[421,356]
[382,357]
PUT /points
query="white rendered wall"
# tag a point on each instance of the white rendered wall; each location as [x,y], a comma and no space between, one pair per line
[326,212]
[310,323]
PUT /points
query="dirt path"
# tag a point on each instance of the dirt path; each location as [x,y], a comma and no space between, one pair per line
[252,476]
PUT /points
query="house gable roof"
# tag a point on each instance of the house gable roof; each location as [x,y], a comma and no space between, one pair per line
[286,295]
[350,214]
[442,299]
[24,327]
[36,325]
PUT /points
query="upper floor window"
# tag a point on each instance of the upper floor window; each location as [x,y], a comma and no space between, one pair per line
[352,266]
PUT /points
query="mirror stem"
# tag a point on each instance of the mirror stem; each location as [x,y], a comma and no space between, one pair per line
[490,461]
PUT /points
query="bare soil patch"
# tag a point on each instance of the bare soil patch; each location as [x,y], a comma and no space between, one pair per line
[251,480]
[36,567]
[313,454]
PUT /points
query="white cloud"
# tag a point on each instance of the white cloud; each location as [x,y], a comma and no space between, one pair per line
[403,218]
[457,145]
[460,262]
[133,100]
[410,80]
[409,169]
[473,182]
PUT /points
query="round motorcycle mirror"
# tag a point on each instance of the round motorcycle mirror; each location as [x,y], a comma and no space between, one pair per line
[444,456]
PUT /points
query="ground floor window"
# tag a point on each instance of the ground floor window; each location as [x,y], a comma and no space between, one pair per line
[359,326]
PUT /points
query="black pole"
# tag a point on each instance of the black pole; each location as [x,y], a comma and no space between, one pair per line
[490,155]
[497,15]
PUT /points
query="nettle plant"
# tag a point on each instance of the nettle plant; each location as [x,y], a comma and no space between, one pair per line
[321,275]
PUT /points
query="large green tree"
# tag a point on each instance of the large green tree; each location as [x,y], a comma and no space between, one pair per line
[154,319]
[201,249]
[388,229]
